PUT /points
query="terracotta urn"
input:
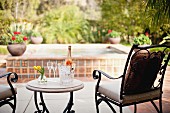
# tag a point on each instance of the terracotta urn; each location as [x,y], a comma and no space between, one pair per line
[16,49]
[36,40]
[114,40]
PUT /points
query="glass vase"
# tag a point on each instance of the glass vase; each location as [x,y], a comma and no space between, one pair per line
[42,79]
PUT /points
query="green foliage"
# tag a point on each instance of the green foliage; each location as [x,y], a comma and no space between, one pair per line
[158,16]
[124,16]
[21,30]
[164,30]
[21,27]
[19,9]
[21,12]
[166,40]
[99,33]
[161,49]
[142,40]
[125,43]
[4,25]
[3,50]
[114,34]
[17,37]
[66,25]
[35,33]
[160,11]
[5,37]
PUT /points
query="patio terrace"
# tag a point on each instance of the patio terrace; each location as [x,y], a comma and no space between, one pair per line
[83,99]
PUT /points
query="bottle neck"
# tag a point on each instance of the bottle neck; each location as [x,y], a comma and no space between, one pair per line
[69,52]
[69,60]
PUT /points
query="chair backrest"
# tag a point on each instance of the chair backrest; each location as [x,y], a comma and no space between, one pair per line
[142,68]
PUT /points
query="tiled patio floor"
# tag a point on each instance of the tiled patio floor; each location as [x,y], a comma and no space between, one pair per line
[83,100]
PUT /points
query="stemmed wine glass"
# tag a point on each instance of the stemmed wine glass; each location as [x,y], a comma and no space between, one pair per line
[54,68]
[49,66]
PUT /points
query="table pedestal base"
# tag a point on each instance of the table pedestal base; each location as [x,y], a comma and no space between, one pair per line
[41,103]
[44,108]
[69,105]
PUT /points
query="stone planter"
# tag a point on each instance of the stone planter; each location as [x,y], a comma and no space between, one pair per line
[36,40]
[114,40]
[16,49]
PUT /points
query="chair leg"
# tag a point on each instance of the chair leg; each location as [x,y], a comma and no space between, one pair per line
[160,105]
[135,108]
[97,107]
[111,107]
[14,108]
[121,109]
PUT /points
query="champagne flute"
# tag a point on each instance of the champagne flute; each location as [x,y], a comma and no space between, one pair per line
[49,66]
[54,68]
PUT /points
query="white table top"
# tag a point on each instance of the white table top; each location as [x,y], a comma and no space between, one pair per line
[53,86]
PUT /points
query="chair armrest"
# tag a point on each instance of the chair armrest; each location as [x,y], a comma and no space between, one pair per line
[95,76]
[13,79]
[98,76]
[10,79]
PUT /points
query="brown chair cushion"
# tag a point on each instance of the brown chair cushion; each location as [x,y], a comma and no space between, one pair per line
[142,72]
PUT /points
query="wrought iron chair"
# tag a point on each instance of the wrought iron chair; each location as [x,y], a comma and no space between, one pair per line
[8,92]
[142,79]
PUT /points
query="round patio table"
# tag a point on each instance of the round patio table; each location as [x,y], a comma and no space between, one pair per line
[53,86]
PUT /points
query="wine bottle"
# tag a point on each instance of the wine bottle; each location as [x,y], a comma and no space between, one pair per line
[68,60]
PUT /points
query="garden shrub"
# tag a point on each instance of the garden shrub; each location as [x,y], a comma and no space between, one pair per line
[66,25]
[3,50]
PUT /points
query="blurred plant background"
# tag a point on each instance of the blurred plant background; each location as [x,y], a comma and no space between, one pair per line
[85,21]
[66,24]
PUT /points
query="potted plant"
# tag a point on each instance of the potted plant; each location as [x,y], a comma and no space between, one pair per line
[113,36]
[36,37]
[142,40]
[17,45]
